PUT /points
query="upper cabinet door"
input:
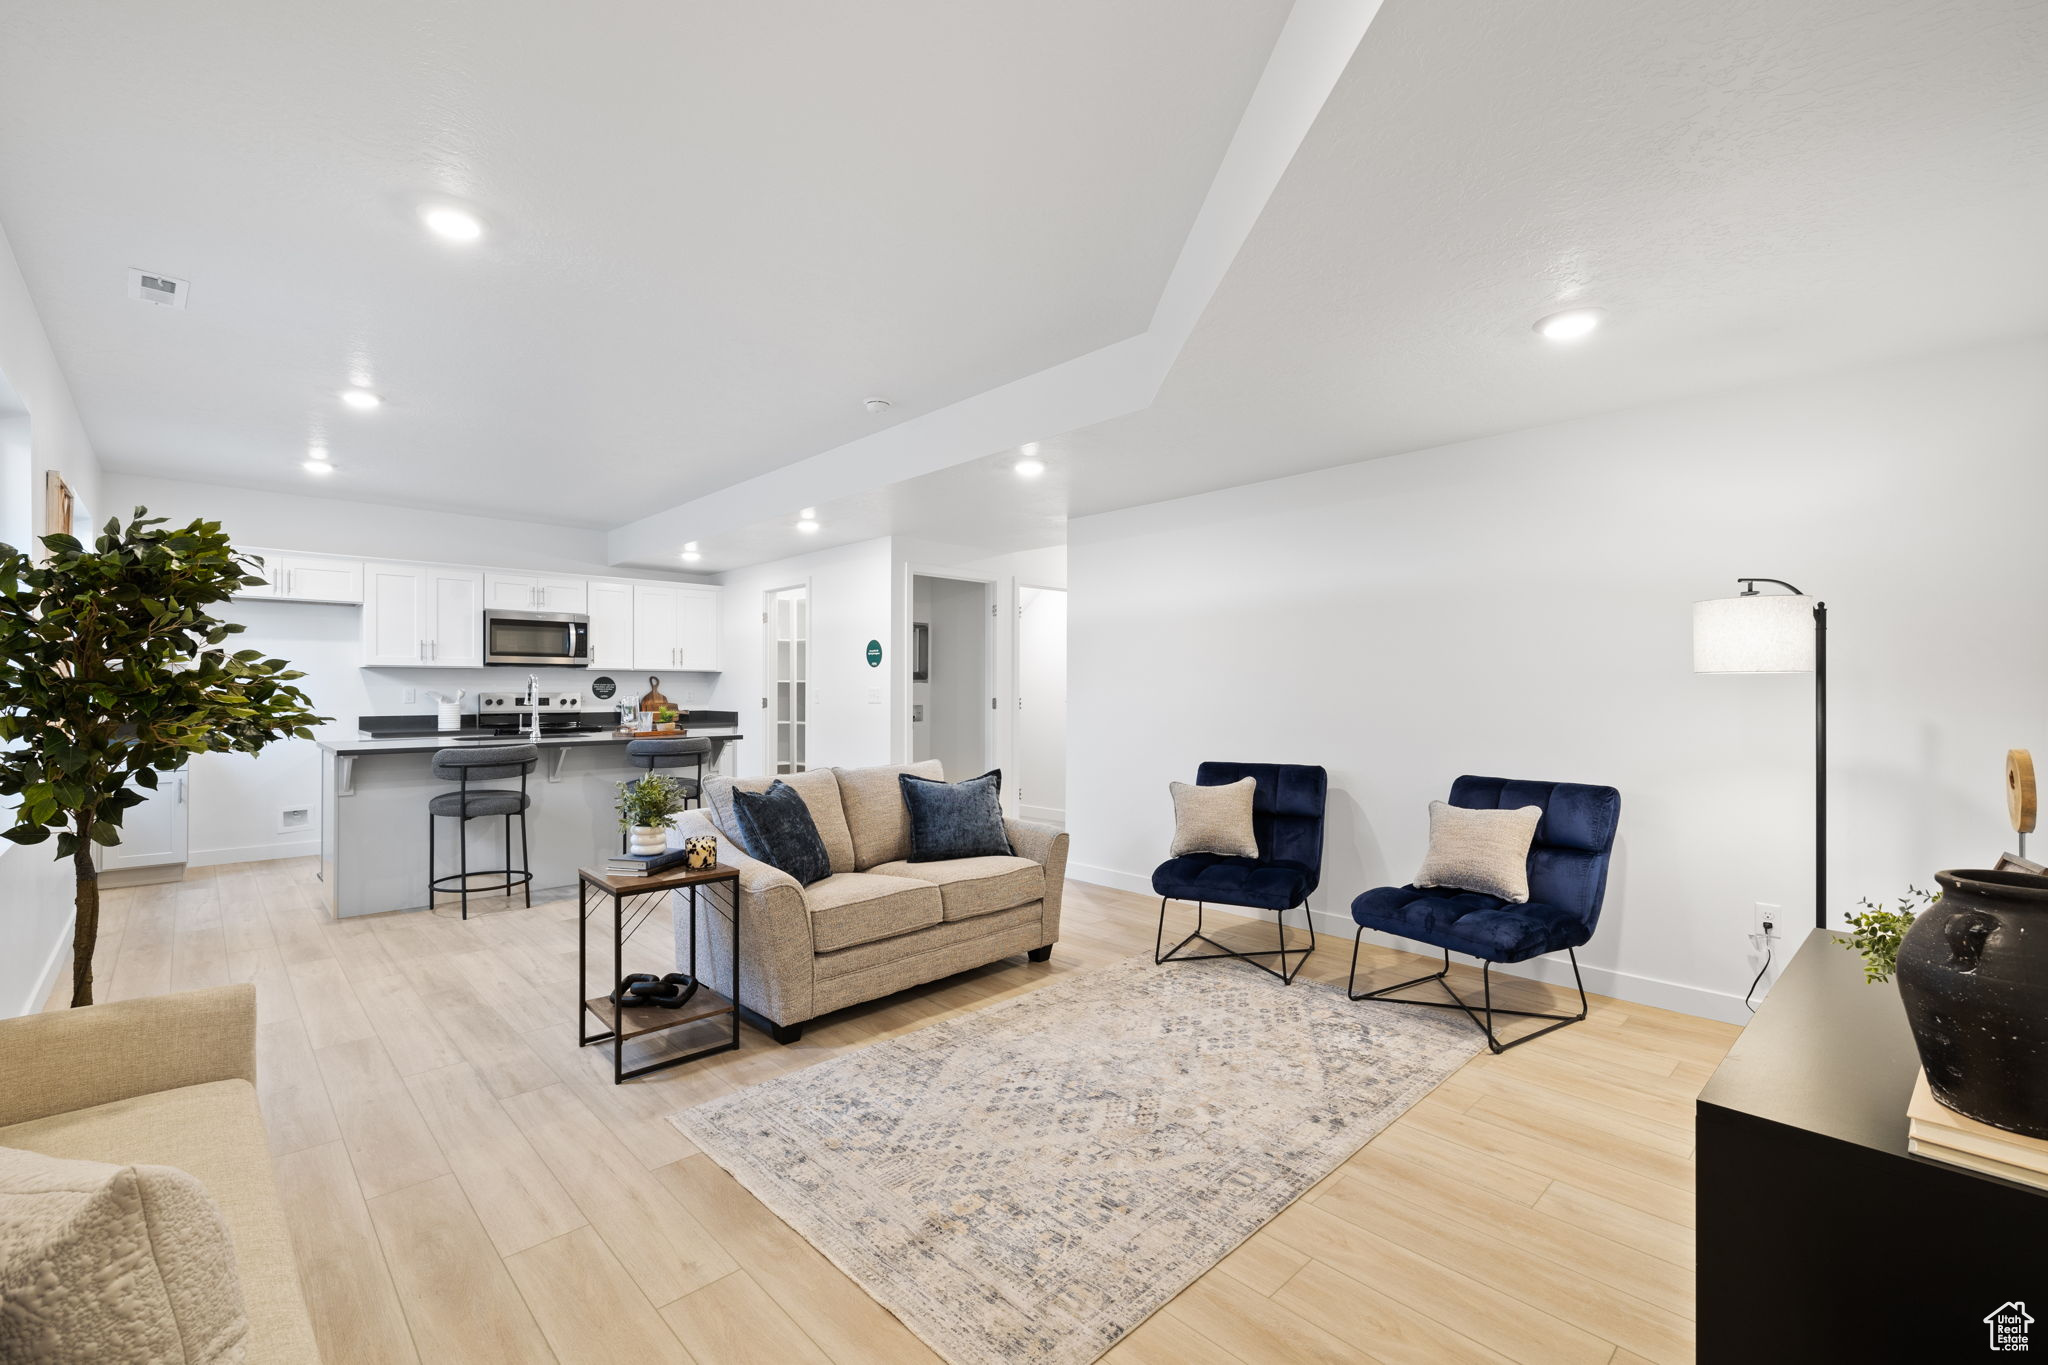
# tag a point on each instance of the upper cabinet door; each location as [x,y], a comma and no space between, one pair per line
[394,626]
[698,628]
[657,625]
[317,578]
[453,608]
[611,624]
[511,592]
[261,564]
[562,594]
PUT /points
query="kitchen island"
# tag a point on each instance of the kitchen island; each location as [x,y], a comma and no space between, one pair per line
[373,813]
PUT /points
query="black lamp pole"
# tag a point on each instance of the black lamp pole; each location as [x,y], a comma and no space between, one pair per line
[1820,744]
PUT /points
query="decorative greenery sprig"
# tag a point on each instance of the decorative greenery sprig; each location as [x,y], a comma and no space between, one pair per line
[654,801]
[1877,931]
[111,671]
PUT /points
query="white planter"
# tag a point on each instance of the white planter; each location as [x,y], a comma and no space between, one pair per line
[648,839]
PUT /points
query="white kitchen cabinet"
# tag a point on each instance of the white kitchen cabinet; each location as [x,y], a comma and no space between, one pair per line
[675,626]
[611,624]
[422,616]
[157,831]
[296,577]
[538,592]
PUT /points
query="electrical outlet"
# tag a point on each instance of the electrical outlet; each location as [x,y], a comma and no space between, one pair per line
[412,696]
[1770,919]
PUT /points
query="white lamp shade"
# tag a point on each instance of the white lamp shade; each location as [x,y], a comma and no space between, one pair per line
[1766,633]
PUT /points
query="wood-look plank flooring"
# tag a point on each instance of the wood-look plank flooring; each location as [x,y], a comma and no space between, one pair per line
[463,1183]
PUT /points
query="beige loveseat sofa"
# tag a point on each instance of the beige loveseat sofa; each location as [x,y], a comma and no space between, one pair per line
[166,1081]
[879,923]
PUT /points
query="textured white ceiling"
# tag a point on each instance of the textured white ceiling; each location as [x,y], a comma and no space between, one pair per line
[715,228]
[1754,189]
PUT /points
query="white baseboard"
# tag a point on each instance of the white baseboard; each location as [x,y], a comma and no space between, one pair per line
[53,967]
[1044,815]
[1642,990]
[254,853]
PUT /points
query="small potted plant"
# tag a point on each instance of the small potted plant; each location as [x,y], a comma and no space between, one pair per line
[1875,934]
[648,810]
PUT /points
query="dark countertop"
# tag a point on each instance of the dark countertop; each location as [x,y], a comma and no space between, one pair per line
[429,740]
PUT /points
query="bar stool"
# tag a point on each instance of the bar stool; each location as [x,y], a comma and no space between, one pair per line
[478,764]
[680,752]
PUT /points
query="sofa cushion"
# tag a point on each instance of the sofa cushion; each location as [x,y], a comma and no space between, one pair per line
[955,819]
[1471,922]
[875,814]
[860,907]
[114,1263]
[776,827]
[820,791]
[976,886]
[213,1132]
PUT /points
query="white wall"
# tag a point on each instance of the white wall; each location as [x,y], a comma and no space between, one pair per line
[852,706]
[1519,606]
[335,525]
[35,890]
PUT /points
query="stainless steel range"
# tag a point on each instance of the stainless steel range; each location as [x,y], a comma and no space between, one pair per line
[561,713]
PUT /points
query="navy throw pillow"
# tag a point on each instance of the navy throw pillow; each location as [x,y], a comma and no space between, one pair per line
[955,819]
[776,827]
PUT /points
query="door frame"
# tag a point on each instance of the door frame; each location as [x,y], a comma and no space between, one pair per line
[899,676]
[1017,587]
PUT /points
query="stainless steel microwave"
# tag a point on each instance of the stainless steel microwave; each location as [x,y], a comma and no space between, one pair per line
[558,639]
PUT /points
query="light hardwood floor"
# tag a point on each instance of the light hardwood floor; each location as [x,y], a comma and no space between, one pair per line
[465,1184]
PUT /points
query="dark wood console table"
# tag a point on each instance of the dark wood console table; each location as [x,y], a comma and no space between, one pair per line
[1820,1237]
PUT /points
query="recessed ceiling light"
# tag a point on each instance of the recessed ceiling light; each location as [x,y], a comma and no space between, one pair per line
[1029,467]
[362,400]
[317,465]
[456,225]
[878,405]
[691,556]
[808,525]
[1570,325]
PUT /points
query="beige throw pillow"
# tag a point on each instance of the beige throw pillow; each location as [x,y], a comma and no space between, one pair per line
[1214,819]
[1480,850]
[114,1264]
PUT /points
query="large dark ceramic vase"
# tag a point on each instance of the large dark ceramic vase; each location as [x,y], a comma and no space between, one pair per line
[1973,972]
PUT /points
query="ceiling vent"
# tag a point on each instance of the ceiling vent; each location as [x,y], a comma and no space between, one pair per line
[161,290]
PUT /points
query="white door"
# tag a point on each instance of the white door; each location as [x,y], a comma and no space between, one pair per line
[454,611]
[611,625]
[697,628]
[789,668]
[510,592]
[1042,704]
[394,627]
[657,626]
[155,832]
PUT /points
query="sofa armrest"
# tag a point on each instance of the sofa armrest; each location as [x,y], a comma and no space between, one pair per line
[56,1062]
[776,948]
[1046,846]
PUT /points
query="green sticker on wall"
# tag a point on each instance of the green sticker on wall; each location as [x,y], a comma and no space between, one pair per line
[874,654]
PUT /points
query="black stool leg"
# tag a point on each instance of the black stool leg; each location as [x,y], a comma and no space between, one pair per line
[525,859]
[464,838]
[431,889]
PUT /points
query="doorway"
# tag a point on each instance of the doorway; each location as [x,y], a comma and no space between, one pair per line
[949,674]
[1042,704]
[789,678]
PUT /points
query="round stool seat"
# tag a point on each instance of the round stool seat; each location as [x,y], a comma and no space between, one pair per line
[480,802]
[681,752]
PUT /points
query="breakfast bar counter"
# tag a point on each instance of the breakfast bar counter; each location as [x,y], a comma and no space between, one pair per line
[373,818]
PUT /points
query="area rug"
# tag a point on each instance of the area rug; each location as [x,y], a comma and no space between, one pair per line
[1031,1181]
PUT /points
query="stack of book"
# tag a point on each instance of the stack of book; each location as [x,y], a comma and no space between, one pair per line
[644,864]
[1940,1133]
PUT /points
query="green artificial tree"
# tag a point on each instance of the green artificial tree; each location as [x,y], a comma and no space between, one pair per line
[111,670]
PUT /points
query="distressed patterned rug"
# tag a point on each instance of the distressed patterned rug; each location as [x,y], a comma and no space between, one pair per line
[1031,1181]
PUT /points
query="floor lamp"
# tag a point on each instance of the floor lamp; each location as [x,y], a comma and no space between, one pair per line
[1760,632]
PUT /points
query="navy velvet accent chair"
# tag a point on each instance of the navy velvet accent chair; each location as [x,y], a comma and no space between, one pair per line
[1567,880]
[1287,821]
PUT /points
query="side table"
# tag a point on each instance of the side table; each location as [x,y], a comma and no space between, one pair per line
[633,897]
